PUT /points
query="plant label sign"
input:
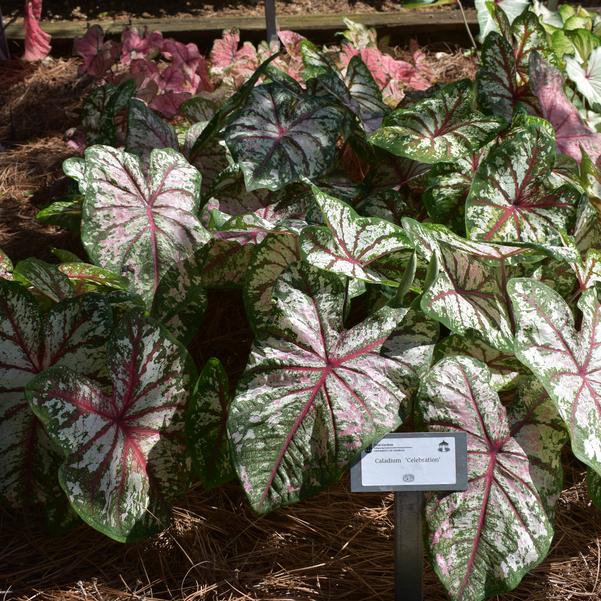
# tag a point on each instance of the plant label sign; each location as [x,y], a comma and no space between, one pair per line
[416,461]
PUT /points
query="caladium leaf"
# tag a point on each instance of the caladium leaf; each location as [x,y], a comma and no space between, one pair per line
[365,248]
[147,131]
[271,258]
[278,139]
[6,266]
[486,18]
[206,426]
[587,76]
[571,132]
[306,404]
[441,128]
[506,372]
[71,334]
[565,360]
[44,278]
[510,199]
[90,278]
[138,221]
[210,159]
[124,450]
[514,474]
[65,213]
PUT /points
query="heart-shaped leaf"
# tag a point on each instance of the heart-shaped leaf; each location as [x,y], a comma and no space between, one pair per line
[71,334]
[486,18]
[125,456]
[514,475]
[365,92]
[147,131]
[306,404]
[441,128]
[140,222]
[566,361]
[510,199]
[366,248]
[278,138]
[587,76]
[206,426]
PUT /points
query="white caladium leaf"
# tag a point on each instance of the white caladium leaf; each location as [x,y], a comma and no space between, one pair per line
[206,426]
[506,372]
[125,455]
[510,199]
[6,266]
[71,334]
[365,248]
[147,131]
[440,128]
[44,278]
[586,76]
[511,8]
[485,539]
[270,259]
[139,222]
[306,404]
[75,168]
[566,361]
[278,138]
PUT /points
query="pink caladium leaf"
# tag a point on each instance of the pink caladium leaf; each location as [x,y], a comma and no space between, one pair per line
[292,42]
[37,41]
[306,404]
[6,266]
[441,128]
[139,221]
[71,334]
[571,132]
[168,103]
[228,60]
[98,56]
[135,45]
[510,199]
[278,138]
[514,474]
[124,449]
[565,360]
[206,426]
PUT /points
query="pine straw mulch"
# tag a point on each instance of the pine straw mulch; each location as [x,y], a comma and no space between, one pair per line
[335,546]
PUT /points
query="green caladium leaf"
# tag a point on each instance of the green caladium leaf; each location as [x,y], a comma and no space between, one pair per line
[139,222]
[44,278]
[71,334]
[510,199]
[565,360]
[306,404]
[593,481]
[528,36]
[514,475]
[206,426]
[389,205]
[65,213]
[441,128]
[506,372]
[270,259]
[278,138]
[147,131]
[365,248]
[199,109]
[125,456]
[6,266]
[90,278]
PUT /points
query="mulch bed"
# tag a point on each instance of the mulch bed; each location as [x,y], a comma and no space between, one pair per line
[335,546]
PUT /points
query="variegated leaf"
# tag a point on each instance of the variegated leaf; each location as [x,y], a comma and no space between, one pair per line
[210,159]
[510,199]
[75,168]
[147,131]
[306,403]
[6,266]
[71,334]
[44,278]
[125,456]
[278,139]
[139,222]
[365,248]
[486,18]
[566,361]
[440,128]
[389,205]
[206,426]
[90,278]
[484,540]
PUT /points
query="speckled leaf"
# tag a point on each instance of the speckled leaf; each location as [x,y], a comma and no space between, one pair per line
[365,248]
[140,222]
[44,278]
[124,450]
[486,20]
[485,539]
[505,370]
[510,199]
[147,131]
[75,168]
[210,159]
[443,127]
[89,278]
[566,361]
[6,266]
[306,403]
[270,259]
[206,426]
[72,334]
[528,36]
[389,205]
[278,139]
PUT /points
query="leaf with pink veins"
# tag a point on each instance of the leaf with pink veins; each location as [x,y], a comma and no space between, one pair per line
[98,56]
[37,41]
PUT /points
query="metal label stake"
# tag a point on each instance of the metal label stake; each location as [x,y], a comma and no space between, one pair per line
[271,23]
[408,464]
